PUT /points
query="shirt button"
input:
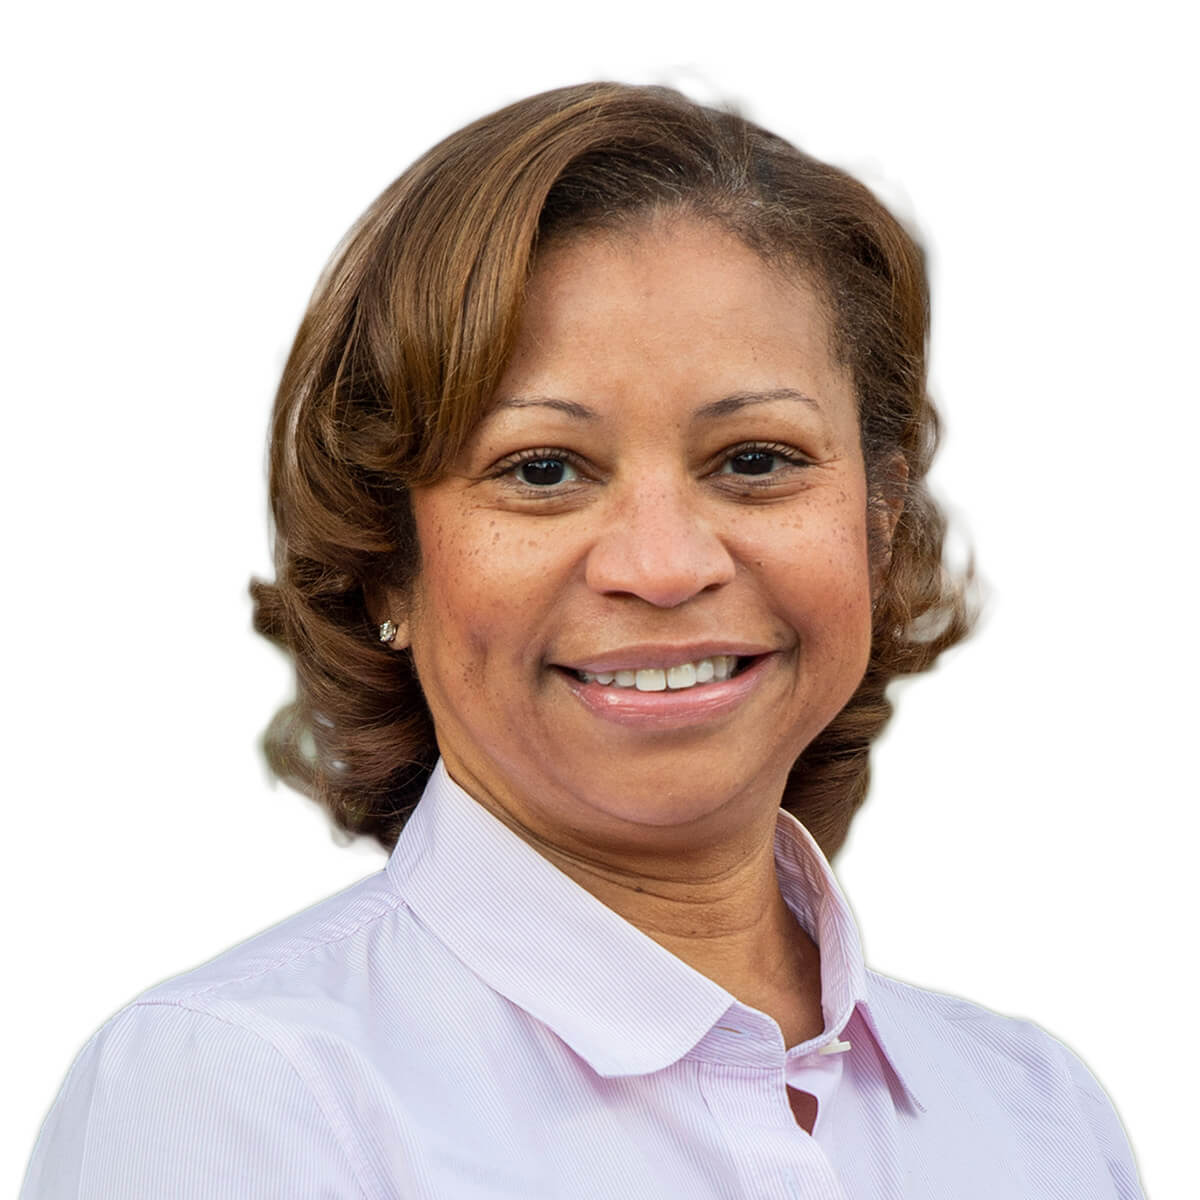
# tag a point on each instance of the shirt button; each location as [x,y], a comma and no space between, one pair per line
[834,1047]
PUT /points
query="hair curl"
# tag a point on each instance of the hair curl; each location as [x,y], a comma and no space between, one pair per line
[409,330]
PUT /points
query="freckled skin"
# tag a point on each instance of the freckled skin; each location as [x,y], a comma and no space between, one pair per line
[653,543]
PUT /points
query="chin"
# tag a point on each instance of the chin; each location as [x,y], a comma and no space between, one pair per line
[661,799]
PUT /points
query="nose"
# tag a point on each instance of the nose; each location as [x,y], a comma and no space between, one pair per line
[658,545]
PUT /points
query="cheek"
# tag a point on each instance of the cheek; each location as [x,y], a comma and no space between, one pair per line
[445,609]
[480,592]
[822,578]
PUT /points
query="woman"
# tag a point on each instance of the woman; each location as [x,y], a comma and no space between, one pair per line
[598,478]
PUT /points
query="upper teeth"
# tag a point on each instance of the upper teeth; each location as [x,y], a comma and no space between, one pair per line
[659,679]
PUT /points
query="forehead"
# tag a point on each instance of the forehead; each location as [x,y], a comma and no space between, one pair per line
[661,266]
[674,310]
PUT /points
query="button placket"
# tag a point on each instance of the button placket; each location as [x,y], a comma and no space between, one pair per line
[772,1154]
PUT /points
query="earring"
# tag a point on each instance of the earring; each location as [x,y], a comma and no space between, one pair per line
[387,631]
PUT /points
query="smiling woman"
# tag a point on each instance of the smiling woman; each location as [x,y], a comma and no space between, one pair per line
[598,477]
[415,343]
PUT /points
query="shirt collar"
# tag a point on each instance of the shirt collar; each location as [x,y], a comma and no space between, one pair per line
[615,996]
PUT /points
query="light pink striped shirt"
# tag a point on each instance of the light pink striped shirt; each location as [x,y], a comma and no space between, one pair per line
[470,1023]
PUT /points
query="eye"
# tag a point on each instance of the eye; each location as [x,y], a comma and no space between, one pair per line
[542,469]
[545,472]
[751,462]
[760,460]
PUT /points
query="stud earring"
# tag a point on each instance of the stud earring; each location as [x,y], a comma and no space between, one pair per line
[387,631]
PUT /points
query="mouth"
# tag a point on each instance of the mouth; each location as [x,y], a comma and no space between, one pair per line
[681,677]
[661,698]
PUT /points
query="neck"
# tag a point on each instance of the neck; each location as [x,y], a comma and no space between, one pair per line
[727,919]
[712,900]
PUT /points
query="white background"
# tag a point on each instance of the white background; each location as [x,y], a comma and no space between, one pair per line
[177,179]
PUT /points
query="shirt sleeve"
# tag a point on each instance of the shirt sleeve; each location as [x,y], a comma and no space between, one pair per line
[1110,1135]
[167,1101]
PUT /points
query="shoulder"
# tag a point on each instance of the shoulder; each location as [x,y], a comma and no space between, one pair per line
[957,1036]
[220,1066]
[955,1049]
[978,1038]
[166,1100]
[317,986]
[308,947]
[944,1016]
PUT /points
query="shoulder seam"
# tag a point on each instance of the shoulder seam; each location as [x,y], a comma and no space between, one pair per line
[273,965]
[970,1009]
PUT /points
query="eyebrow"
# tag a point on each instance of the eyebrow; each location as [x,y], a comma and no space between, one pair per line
[579,411]
[739,400]
[716,408]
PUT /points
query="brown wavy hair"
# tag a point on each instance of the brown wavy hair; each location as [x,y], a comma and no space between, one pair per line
[408,332]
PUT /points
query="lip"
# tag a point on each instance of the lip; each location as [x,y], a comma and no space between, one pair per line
[669,710]
[650,655]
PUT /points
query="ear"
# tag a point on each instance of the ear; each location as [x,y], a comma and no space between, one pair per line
[388,604]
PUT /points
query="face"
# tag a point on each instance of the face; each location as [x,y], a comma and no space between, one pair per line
[645,585]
